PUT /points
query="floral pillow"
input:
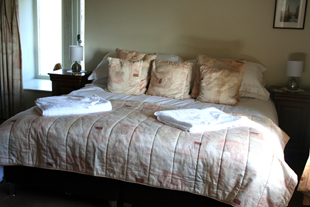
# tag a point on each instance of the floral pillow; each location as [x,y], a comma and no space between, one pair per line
[146,67]
[124,76]
[221,84]
[170,79]
[213,63]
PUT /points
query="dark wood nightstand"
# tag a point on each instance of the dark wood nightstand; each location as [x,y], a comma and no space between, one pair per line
[63,81]
[294,118]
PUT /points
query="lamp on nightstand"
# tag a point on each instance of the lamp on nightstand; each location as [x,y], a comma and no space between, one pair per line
[76,54]
[294,69]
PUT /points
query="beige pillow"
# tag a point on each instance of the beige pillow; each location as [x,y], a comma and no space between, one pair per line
[146,67]
[212,63]
[221,85]
[170,79]
[124,76]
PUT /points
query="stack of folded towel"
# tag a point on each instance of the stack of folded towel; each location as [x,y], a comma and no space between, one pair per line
[71,105]
[198,120]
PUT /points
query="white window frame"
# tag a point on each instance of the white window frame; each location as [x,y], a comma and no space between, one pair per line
[70,29]
[77,25]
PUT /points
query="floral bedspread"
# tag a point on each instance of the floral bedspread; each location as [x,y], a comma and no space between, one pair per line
[240,166]
[304,184]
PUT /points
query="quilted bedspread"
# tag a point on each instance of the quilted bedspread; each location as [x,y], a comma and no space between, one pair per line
[304,184]
[240,166]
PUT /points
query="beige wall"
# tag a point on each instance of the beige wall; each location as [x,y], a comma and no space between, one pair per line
[221,28]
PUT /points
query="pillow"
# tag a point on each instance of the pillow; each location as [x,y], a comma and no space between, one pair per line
[103,82]
[252,84]
[193,61]
[146,67]
[124,76]
[213,63]
[102,70]
[221,84]
[170,79]
[169,57]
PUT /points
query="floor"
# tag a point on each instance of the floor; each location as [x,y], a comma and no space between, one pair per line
[32,197]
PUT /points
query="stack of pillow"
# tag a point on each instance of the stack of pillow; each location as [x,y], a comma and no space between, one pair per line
[208,79]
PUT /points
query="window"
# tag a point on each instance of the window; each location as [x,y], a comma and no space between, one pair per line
[49,35]
[47,29]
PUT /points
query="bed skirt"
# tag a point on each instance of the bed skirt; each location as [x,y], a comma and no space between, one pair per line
[104,188]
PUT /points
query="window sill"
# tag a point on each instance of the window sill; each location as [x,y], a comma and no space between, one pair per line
[38,85]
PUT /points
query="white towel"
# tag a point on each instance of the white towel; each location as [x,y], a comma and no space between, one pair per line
[71,105]
[197,120]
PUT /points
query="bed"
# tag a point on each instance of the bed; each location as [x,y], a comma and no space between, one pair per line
[304,184]
[127,155]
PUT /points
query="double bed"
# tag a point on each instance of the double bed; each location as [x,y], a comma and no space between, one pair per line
[127,155]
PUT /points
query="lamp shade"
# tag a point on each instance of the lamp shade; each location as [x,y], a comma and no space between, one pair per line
[76,53]
[294,68]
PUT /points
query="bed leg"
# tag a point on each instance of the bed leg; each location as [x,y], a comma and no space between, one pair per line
[127,205]
[12,189]
[112,203]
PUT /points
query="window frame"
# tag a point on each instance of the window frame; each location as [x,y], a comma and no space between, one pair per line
[69,35]
[36,42]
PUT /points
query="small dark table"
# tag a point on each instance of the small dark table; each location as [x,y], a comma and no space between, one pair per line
[64,81]
[293,110]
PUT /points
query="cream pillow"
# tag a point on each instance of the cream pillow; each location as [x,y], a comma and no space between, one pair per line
[146,67]
[169,57]
[102,68]
[252,83]
[170,79]
[212,63]
[124,76]
[221,85]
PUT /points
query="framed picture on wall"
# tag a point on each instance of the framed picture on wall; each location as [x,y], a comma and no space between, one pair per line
[290,14]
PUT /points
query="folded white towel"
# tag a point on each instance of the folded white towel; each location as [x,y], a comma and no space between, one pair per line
[197,120]
[71,105]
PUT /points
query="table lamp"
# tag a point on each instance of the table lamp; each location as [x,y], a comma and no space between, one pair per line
[76,54]
[294,69]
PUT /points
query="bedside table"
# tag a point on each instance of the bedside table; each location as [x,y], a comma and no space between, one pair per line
[63,82]
[294,119]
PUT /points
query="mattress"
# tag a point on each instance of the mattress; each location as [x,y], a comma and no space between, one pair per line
[258,107]
[240,166]
[246,105]
[131,145]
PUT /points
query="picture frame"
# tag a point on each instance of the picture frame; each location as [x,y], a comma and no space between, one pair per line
[290,14]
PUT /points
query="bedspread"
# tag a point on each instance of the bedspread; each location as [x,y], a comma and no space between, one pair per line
[240,166]
[304,184]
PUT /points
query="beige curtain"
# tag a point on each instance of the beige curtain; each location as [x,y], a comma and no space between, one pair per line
[10,60]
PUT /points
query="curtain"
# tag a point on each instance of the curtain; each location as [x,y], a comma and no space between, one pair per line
[10,60]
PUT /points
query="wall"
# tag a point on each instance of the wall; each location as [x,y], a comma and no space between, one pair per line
[221,28]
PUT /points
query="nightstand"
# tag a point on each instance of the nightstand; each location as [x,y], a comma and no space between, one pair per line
[294,119]
[64,81]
